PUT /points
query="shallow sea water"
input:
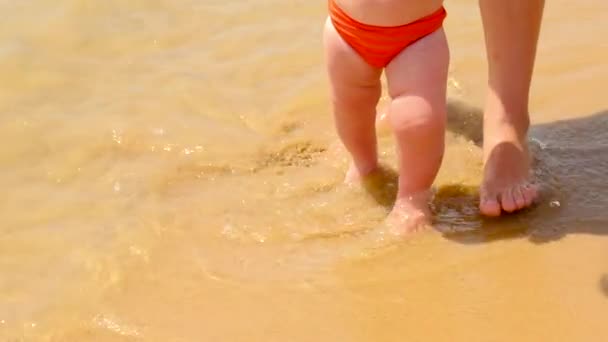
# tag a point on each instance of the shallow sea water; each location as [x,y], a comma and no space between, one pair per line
[170,172]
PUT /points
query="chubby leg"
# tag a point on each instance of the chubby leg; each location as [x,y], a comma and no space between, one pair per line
[511,32]
[355,91]
[417,114]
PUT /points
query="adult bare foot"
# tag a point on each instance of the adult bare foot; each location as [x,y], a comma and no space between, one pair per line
[506,184]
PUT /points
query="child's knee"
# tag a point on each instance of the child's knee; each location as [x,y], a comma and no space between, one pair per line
[417,115]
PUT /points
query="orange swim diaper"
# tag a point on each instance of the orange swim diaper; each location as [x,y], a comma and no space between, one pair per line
[378,45]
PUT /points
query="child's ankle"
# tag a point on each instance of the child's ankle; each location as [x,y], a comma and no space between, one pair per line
[358,172]
[417,196]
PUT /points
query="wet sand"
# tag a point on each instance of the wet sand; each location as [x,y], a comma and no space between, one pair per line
[171,173]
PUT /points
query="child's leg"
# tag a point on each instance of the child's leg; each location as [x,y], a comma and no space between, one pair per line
[355,91]
[417,114]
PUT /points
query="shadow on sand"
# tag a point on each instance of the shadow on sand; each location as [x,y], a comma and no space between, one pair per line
[604,284]
[569,161]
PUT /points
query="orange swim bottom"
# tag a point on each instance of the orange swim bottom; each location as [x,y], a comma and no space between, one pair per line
[378,45]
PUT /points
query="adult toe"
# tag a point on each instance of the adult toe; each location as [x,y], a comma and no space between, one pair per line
[489,205]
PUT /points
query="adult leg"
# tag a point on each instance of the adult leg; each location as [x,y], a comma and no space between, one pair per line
[511,33]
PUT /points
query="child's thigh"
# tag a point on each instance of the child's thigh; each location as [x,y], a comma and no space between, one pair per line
[421,69]
[345,67]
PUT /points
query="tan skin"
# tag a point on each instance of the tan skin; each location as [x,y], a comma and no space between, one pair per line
[416,80]
[511,30]
[388,12]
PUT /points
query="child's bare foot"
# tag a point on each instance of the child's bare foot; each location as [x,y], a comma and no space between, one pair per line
[410,214]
